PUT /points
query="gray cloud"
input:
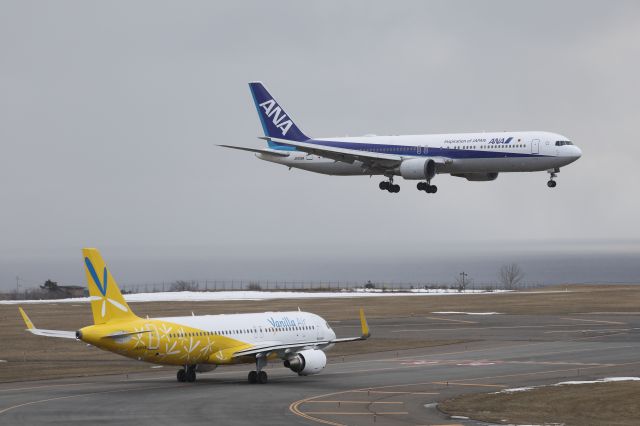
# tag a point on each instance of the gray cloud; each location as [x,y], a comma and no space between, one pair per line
[111,112]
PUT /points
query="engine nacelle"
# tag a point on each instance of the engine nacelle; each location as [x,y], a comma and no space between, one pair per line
[305,363]
[418,169]
[478,177]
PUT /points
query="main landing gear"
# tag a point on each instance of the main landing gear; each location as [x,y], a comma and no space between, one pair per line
[187,374]
[427,187]
[552,174]
[387,185]
[259,376]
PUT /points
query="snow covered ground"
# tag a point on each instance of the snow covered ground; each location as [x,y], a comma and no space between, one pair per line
[203,296]
[584,382]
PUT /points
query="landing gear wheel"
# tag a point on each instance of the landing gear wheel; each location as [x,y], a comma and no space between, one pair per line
[262,377]
[384,185]
[253,377]
[422,186]
[433,189]
[551,184]
[181,375]
[394,188]
[190,374]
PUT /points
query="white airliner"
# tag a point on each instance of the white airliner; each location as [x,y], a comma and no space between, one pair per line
[473,156]
[200,343]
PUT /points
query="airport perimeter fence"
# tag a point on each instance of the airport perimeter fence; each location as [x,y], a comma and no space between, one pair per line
[37,292]
[309,286]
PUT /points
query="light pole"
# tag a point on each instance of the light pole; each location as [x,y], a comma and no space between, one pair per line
[464,278]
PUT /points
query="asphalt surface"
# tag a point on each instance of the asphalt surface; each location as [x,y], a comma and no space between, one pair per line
[396,388]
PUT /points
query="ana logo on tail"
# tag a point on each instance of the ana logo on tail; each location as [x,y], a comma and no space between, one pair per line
[279,118]
[102,288]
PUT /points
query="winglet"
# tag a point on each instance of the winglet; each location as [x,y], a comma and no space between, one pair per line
[26,319]
[363,323]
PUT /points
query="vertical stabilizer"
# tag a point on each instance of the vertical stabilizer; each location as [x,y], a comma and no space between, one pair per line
[107,303]
[276,123]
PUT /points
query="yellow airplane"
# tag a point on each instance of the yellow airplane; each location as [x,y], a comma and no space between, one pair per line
[200,343]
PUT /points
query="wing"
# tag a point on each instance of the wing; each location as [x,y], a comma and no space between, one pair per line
[283,349]
[371,159]
[47,333]
[257,150]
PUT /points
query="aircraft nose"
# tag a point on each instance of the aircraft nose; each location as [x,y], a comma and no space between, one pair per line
[577,152]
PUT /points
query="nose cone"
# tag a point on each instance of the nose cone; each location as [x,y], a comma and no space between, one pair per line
[577,153]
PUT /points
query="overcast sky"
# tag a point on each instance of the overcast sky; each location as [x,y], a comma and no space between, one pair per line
[110,112]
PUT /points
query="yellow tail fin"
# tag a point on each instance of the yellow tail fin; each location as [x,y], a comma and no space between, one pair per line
[107,303]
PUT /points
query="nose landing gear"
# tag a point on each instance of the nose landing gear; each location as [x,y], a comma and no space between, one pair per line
[552,174]
[387,185]
[427,187]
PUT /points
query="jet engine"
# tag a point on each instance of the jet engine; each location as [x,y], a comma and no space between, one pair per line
[307,362]
[478,177]
[418,168]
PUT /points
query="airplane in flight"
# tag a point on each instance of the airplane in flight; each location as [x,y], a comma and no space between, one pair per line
[200,343]
[473,156]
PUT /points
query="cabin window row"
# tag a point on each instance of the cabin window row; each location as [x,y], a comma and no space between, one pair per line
[490,146]
[240,331]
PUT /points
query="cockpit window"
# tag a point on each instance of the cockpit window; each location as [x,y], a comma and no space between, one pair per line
[561,143]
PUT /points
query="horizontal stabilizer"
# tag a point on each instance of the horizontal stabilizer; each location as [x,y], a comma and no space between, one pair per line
[48,333]
[258,151]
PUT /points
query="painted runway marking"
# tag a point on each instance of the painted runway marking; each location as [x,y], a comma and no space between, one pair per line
[366,413]
[46,386]
[598,321]
[354,402]
[589,330]
[24,404]
[394,392]
[497,327]
[482,385]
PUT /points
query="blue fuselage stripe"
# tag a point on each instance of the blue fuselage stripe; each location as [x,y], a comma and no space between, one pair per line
[419,151]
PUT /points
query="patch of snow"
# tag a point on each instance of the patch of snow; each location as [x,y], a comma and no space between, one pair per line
[512,390]
[199,296]
[466,313]
[459,418]
[574,382]
[605,380]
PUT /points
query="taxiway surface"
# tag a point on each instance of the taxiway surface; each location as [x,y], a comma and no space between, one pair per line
[394,387]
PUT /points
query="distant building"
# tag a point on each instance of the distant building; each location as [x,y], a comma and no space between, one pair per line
[74,290]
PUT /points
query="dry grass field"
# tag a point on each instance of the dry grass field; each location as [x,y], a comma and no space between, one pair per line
[613,404]
[33,357]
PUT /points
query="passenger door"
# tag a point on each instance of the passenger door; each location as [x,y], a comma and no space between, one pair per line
[535,146]
[319,331]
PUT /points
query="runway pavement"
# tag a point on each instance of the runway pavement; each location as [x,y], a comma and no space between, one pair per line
[396,387]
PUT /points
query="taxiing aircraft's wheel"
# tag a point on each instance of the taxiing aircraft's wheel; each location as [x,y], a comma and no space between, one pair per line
[394,189]
[181,375]
[422,186]
[434,189]
[551,184]
[262,377]
[190,375]
[384,185]
[253,376]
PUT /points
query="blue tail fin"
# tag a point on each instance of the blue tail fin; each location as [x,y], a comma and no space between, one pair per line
[275,121]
